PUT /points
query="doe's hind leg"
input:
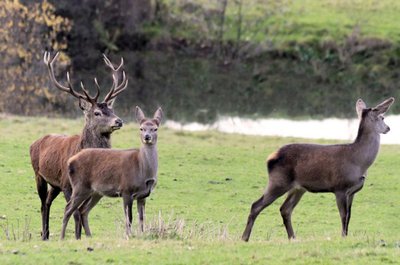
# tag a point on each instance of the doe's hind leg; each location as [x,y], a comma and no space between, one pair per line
[287,207]
[76,200]
[273,192]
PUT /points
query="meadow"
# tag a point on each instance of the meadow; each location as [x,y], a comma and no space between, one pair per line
[196,214]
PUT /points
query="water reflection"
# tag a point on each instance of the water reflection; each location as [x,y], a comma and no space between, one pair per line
[332,128]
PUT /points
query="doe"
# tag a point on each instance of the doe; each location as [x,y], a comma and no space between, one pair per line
[131,173]
[340,169]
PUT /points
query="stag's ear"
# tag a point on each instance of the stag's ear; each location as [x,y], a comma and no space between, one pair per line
[84,105]
[139,115]
[360,106]
[384,106]
[158,115]
[110,103]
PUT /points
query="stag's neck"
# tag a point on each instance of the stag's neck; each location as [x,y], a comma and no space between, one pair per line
[366,146]
[148,161]
[91,139]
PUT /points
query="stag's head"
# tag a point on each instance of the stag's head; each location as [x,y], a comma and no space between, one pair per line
[372,119]
[98,115]
[148,127]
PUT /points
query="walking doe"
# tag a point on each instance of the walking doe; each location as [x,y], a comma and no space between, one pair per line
[50,153]
[130,174]
[340,169]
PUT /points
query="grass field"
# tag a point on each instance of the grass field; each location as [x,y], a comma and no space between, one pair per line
[207,182]
[295,21]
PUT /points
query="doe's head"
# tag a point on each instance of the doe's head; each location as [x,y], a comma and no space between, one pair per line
[148,127]
[373,118]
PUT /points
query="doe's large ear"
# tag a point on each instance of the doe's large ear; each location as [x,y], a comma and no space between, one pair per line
[158,115]
[360,106]
[384,106]
[139,115]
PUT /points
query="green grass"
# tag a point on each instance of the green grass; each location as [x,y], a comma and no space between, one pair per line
[299,21]
[207,182]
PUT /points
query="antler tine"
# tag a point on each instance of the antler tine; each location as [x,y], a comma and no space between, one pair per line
[73,92]
[123,84]
[92,100]
[98,90]
[50,64]
[107,97]
[117,89]
[110,64]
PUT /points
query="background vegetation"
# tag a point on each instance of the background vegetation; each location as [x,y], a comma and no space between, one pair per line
[196,214]
[201,59]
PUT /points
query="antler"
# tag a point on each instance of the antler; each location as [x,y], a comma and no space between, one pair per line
[50,64]
[115,89]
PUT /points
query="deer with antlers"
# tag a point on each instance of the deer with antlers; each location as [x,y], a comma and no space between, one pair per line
[49,154]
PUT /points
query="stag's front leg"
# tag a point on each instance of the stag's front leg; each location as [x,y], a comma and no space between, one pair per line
[128,201]
[141,203]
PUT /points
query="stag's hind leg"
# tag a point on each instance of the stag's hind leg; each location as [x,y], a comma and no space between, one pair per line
[41,186]
[287,207]
[272,193]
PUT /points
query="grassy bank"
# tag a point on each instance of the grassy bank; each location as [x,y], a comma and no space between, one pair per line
[198,210]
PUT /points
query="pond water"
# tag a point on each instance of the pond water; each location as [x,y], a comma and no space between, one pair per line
[331,128]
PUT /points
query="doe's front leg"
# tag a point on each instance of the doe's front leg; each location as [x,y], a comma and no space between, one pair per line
[128,201]
[141,203]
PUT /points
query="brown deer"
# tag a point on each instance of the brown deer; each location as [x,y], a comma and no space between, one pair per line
[341,169]
[130,174]
[49,154]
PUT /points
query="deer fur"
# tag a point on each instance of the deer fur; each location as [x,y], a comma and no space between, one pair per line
[49,154]
[340,169]
[130,174]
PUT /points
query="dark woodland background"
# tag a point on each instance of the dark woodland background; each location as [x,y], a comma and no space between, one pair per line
[196,60]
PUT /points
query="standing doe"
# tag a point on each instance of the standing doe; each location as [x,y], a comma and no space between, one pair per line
[131,173]
[49,154]
[341,169]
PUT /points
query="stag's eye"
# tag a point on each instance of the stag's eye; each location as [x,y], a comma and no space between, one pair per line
[141,129]
[97,113]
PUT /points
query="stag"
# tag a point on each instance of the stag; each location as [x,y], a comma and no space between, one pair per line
[49,154]
[130,174]
[340,169]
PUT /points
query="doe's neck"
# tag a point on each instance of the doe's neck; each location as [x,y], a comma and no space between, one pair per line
[366,146]
[148,160]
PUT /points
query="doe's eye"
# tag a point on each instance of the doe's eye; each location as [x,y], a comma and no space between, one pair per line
[155,129]
[141,129]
